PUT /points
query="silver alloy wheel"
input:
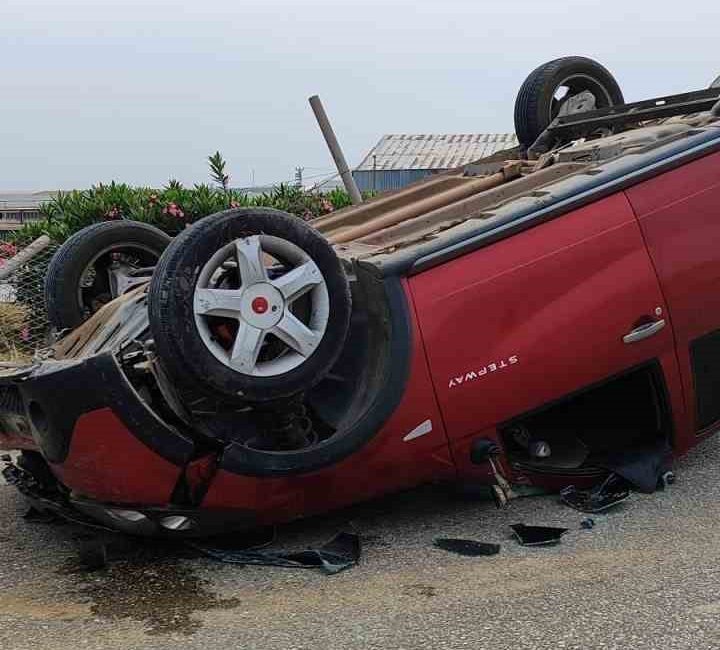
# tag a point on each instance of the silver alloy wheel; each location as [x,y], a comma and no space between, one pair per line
[261,304]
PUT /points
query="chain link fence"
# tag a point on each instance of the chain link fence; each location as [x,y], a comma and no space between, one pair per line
[24,326]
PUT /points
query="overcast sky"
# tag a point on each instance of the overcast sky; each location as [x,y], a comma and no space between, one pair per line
[143,90]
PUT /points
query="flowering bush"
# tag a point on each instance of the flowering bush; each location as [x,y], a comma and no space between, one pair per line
[7,250]
[169,208]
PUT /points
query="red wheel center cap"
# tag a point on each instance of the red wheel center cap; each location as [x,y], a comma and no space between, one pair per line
[259,305]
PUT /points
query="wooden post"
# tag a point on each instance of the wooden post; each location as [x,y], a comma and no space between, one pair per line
[335,149]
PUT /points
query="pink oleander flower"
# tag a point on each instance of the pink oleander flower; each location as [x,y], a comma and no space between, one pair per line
[326,206]
[174,210]
[8,250]
[113,213]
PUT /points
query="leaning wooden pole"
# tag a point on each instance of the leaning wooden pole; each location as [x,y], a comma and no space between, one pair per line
[335,150]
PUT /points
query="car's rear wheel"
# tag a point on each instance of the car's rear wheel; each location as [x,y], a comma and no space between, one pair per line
[570,84]
[97,264]
[249,305]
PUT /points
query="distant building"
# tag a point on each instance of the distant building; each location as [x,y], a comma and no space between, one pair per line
[398,160]
[19,207]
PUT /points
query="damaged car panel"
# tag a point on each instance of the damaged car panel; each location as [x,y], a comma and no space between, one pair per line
[536,319]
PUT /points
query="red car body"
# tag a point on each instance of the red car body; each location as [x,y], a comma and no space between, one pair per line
[496,330]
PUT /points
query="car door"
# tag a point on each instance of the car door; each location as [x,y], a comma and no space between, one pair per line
[679,214]
[541,314]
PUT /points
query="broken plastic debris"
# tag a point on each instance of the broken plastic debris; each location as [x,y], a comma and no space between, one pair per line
[642,467]
[613,490]
[341,552]
[467,547]
[537,535]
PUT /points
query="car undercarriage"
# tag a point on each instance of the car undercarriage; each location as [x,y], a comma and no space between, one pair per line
[258,368]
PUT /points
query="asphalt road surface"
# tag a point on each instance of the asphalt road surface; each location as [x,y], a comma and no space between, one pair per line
[645,577]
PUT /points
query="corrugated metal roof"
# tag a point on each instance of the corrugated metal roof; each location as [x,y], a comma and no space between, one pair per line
[434,151]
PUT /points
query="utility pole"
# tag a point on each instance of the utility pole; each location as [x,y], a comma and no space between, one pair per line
[335,149]
[298,176]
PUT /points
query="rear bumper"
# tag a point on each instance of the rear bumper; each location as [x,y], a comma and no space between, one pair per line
[144,521]
[100,438]
[166,521]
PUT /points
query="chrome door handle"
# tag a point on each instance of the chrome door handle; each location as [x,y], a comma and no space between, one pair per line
[644,331]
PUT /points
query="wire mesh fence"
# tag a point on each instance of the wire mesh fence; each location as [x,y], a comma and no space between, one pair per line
[24,326]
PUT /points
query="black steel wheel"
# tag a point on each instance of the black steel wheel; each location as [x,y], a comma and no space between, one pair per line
[95,265]
[570,84]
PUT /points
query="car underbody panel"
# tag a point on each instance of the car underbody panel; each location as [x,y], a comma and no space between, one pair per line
[500,312]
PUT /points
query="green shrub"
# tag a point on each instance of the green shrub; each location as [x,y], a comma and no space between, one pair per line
[170,208]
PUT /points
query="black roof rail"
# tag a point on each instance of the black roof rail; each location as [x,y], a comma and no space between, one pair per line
[570,127]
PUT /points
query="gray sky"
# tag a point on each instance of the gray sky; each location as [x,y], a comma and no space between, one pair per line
[143,90]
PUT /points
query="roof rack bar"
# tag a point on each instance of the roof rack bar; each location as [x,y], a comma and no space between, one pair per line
[568,127]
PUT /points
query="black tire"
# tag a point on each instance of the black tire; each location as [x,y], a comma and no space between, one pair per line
[534,108]
[66,307]
[179,346]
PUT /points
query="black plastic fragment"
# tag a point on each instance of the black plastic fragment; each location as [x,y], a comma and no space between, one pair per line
[340,553]
[642,467]
[537,535]
[587,524]
[468,547]
[613,490]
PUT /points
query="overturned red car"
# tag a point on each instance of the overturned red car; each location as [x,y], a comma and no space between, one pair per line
[518,321]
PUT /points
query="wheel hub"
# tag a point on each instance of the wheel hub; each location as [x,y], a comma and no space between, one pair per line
[261,305]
